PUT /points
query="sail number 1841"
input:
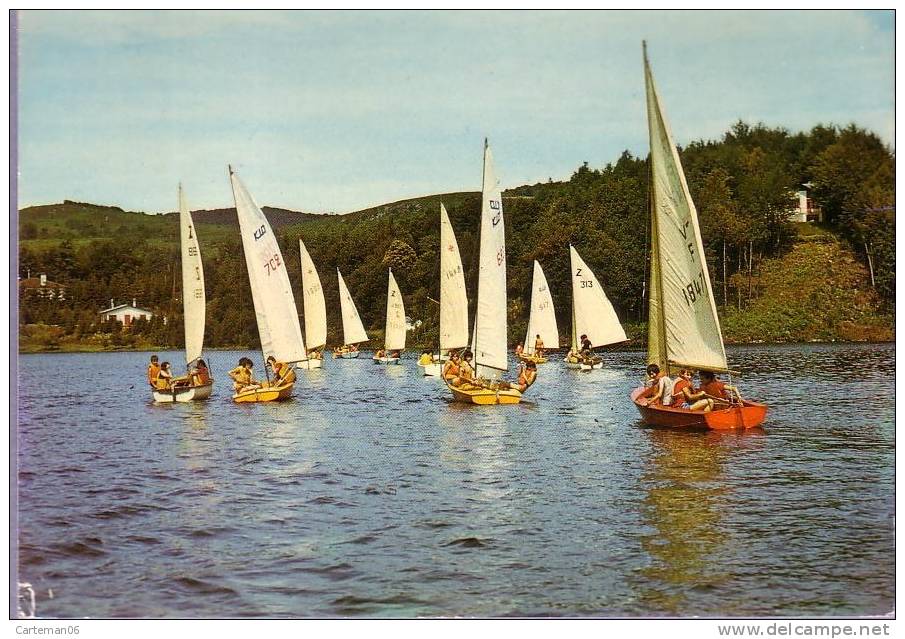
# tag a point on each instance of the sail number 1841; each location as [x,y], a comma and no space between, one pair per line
[695,289]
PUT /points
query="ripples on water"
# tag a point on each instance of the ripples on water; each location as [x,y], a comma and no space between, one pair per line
[372,495]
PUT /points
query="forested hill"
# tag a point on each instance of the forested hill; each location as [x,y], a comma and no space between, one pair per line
[743,186]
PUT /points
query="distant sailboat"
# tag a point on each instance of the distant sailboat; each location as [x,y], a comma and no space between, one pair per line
[453,296]
[394,336]
[315,311]
[489,335]
[353,330]
[189,388]
[683,326]
[592,315]
[542,319]
[271,292]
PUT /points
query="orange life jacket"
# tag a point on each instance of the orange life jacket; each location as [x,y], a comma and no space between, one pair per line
[678,397]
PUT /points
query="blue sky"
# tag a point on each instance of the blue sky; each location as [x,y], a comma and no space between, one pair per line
[337,111]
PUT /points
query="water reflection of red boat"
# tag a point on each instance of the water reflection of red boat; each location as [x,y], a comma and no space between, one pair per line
[747,415]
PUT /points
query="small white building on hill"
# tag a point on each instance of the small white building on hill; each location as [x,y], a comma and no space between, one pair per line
[126,313]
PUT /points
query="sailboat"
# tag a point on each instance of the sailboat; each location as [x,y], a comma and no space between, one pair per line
[394,336]
[592,315]
[683,327]
[189,388]
[271,293]
[542,319]
[315,311]
[489,335]
[353,330]
[453,296]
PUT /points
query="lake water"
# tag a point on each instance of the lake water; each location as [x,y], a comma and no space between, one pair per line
[372,495]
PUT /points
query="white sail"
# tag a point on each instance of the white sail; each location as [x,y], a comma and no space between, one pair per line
[683,326]
[593,314]
[394,338]
[313,300]
[278,320]
[542,319]
[453,296]
[353,329]
[193,301]
[489,339]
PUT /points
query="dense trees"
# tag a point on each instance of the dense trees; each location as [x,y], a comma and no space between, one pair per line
[742,184]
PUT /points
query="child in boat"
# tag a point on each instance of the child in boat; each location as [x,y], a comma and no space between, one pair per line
[395,354]
[538,347]
[380,353]
[282,372]
[586,354]
[466,371]
[715,389]
[527,376]
[660,388]
[153,370]
[200,375]
[242,376]
[451,368]
[164,376]
[684,395]
[518,349]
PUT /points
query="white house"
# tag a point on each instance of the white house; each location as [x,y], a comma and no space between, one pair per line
[126,313]
[806,210]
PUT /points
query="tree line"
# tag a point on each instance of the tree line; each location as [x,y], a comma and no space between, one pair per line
[743,184]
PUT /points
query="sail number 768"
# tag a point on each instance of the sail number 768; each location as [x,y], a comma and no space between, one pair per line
[695,289]
[272,264]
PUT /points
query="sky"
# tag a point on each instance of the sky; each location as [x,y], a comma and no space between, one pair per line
[339,111]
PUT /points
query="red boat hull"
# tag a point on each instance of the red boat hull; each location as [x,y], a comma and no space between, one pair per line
[748,415]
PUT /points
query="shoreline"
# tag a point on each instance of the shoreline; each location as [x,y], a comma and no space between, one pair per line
[415,348]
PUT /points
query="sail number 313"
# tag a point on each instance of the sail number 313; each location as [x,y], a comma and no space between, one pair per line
[695,290]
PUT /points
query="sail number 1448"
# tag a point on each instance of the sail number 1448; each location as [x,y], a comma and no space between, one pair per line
[695,290]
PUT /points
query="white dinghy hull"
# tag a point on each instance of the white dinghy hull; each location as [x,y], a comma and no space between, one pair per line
[187,394]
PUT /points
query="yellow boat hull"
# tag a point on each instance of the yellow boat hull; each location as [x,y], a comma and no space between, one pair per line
[471,394]
[532,358]
[264,394]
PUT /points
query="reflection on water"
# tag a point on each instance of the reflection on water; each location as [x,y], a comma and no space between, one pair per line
[371,494]
[684,502]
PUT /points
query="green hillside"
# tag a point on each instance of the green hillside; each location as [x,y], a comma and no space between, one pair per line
[772,281]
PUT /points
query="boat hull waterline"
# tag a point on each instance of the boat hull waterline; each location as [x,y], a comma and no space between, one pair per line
[183,394]
[431,370]
[386,360]
[485,396]
[310,364]
[350,355]
[264,394]
[748,415]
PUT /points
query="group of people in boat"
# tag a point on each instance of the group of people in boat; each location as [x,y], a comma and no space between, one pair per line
[584,354]
[345,348]
[384,353]
[160,375]
[459,372]
[538,349]
[711,393]
[243,375]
